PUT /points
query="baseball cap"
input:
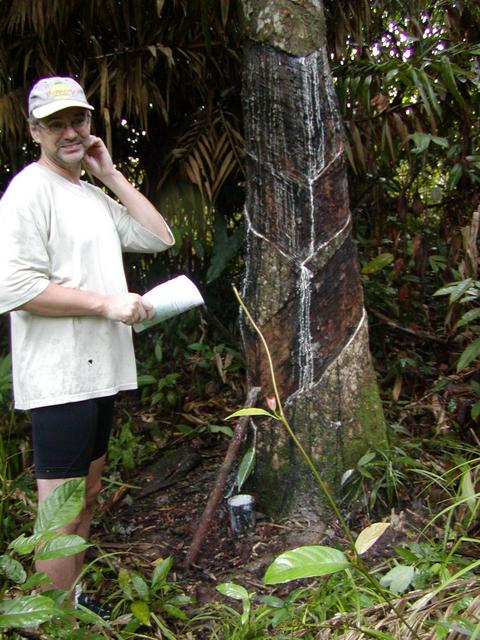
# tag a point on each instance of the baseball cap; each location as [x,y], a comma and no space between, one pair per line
[50,95]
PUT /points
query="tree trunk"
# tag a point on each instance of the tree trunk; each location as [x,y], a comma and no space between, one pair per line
[302,283]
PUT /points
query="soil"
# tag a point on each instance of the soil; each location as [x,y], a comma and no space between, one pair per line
[144,526]
[163,523]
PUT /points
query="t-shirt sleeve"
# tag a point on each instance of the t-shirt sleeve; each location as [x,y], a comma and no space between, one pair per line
[24,260]
[134,237]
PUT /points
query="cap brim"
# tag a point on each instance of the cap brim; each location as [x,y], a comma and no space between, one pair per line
[59,105]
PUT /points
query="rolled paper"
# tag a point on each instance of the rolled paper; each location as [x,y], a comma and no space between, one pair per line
[170,299]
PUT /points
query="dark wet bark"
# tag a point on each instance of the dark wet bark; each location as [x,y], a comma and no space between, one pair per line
[302,283]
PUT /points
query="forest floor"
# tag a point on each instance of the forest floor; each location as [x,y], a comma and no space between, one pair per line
[145,523]
[148,518]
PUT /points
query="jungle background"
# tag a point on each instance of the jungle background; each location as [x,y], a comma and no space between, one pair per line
[165,80]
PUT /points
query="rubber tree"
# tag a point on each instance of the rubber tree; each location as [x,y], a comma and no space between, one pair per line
[302,282]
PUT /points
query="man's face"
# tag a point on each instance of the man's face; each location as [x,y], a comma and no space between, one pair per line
[63,136]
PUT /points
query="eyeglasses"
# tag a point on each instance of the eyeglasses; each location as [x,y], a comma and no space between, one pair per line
[57,126]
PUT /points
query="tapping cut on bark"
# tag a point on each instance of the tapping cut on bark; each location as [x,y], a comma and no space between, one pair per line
[302,280]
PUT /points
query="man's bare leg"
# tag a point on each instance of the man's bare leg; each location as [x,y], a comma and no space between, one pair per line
[92,489]
[63,572]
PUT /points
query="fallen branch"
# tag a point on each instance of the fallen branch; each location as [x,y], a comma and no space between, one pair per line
[418,333]
[220,482]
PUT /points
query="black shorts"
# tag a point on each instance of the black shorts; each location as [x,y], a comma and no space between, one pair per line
[68,437]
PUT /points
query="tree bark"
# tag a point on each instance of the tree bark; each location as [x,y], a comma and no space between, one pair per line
[302,282]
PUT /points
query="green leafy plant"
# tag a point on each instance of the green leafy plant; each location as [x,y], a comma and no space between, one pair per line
[151,601]
[127,449]
[220,358]
[147,601]
[251,622]
[157,388]
[46,542]
[318,560]
[464,294]
[237,592]
[379,477]
[13,483]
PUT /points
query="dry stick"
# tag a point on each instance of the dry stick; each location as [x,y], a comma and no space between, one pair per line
[220,482]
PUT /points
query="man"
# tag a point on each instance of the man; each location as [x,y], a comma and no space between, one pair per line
[61,276]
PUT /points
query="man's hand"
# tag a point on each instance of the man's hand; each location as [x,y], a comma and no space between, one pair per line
[128,308]
[57,301]
[97,160]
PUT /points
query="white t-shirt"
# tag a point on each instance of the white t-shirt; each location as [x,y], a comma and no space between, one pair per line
[52,230]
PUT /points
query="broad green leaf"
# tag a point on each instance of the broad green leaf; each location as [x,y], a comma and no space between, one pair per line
[399,578]
[36,580]
[467,489]
[141,611]
[125,583]
[273,601]
[441,142]
[216,428]
[184,428]
[431,93]
[421,140]
[387,140]
[12,569]
[448,76]
[175,612]
[369,536]
[180,599]
[280,615]
[27,611]
[61,546]
[378,263]
[246,466]
[233,590]
[365,93]
[62,506]
[468,317]
[455,290]
[26,544]
[251,412]
[444,291]
[140,586]
[454,176]
[391,74]
[358,145]
[87,616]
[475,410]
[305,562]
[366,458]
[225,248]
[164,629]
[237,592]
[421,91]
[161,572]
[197,346]
[469,354]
